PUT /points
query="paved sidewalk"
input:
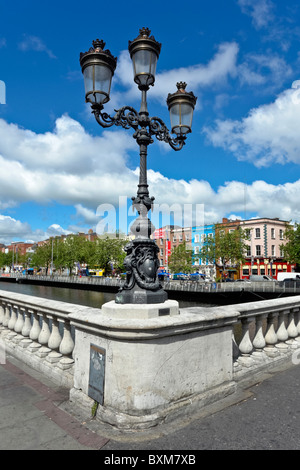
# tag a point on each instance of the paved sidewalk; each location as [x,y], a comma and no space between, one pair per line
[33,417]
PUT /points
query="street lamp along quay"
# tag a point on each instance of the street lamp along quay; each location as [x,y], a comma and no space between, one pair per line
[98,65]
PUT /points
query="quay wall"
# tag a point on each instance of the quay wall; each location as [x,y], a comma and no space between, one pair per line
[213,293]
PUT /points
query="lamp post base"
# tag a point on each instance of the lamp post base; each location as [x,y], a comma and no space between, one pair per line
[142,285]
[141,296]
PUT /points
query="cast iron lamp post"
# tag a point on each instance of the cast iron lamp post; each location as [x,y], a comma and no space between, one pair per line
[98,65]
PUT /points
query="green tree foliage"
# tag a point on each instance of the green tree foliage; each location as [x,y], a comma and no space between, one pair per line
[226,247]
[67,253]
[291,247]
[181,259]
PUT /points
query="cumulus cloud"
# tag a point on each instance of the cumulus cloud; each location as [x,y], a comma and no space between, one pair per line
[70,166]
[13,229]
[268,134]
[265,72]
[222,66]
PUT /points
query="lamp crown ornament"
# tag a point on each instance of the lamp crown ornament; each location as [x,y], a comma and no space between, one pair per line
[181,86]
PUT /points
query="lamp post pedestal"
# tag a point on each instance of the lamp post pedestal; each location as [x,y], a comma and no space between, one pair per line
[142,284]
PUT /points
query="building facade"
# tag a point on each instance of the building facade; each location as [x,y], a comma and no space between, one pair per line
[199,237]
[264,254]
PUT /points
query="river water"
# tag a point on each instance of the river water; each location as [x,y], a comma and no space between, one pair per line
[74,296]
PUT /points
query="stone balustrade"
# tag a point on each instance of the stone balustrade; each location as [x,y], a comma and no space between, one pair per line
[268,331]
[38,332]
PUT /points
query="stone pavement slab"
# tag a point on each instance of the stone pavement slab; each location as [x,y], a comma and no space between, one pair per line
[30,416]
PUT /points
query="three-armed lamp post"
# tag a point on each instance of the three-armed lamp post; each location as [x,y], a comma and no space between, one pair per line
[98,65]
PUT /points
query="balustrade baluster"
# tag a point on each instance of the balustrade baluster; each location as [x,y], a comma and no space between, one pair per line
[6,318]
[292,331]
[259,340]
[55,338]
[27,323]
[282,334]
[35,330]
[13,317]
[20,321]
[245,345]
[67,344]
[44,334]
[271,336]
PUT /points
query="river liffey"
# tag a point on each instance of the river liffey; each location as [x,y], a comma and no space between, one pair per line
[89,298]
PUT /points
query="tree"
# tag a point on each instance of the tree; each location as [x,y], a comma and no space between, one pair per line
[291,248]
[108,254]
[181,259]
[227,247]
[42,256]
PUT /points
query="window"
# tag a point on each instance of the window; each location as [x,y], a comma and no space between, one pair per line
[248,250]
[161,241]
[273,250]
[281,234]
[258,250]
[196,237]
[257,233]
[196,249]
[273,233]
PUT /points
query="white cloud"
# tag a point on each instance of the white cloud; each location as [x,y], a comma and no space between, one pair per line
[13,229]
[35,43]
[261,11]
[100,173]
[269,134]
[216,71]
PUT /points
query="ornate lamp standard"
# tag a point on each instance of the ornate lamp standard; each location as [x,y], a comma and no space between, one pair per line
[98,65]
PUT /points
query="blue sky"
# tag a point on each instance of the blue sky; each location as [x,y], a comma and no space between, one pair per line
[241,58]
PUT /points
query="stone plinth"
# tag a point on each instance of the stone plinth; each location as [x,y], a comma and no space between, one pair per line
[114,310]
[152,366]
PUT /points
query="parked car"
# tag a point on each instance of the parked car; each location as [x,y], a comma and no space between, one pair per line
[196,277]
[263,277]
[290,282]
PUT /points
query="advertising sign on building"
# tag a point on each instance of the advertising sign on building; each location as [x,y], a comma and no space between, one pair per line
[167,251]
